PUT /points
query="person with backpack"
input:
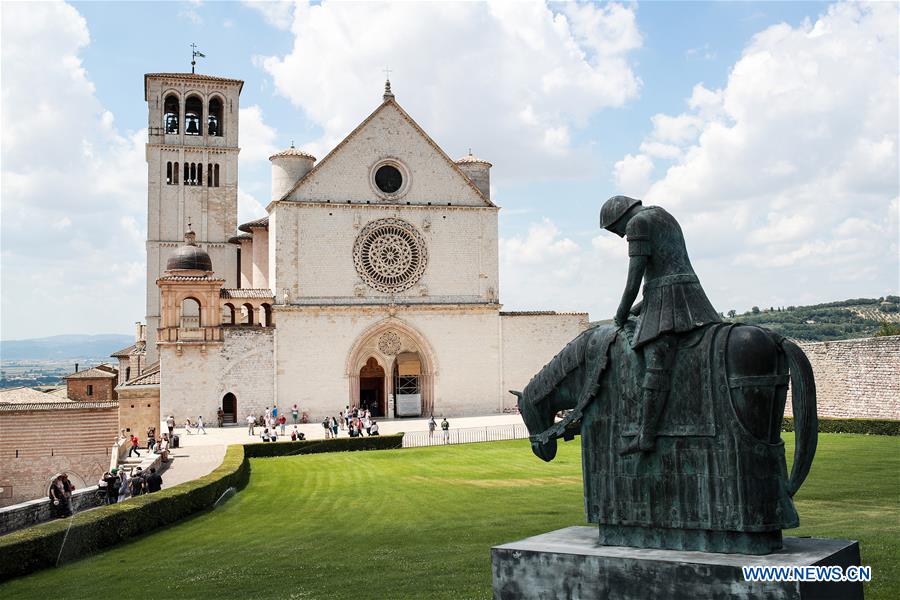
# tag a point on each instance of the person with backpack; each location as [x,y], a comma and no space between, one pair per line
[137,483]
[326,425]
[111,485]
[445,428]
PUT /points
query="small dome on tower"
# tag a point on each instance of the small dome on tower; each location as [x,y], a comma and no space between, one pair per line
[189,257]
[471,159]
[293,153]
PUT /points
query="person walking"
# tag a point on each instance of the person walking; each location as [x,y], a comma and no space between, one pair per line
[200,425]
[111,478]
[295,413]
[431,427]
[445,428]
[282,421]
[135,444]
[124,488]
[367,423]
[154,481]
[137,483]
[188,425]
[251,423]
[326,425]
[220,417]
[170,423]
[151,438]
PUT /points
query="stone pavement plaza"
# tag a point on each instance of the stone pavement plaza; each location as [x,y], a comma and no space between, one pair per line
[198,454]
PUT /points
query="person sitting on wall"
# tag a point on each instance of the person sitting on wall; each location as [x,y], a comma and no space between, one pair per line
[374,429]
[61,495]
[265,435]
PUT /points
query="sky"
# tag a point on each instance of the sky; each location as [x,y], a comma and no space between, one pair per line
[769,130]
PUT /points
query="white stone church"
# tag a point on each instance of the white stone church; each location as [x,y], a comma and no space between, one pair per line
[372,282]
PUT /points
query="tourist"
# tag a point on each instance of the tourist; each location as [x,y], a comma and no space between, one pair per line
[294,434]
[135,444]
[154,481]
[188,425]
[445,428]
[265,435]
[282,421]
[268,413]
[367,423]
[373,430]
[170,423]
[346,417]
[137,483]
[295,412]
[431,427]
[123,485]
[352,430]
[274,412]
[334,427]
[111,479]
[61,495]
[163,448]
[200,425]
[251,424]
[151,438]
[326,425]
[220,417]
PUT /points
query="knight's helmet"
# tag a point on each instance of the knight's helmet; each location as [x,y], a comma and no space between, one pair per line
[614,208]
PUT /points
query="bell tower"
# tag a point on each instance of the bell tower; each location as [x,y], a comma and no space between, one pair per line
[192,175]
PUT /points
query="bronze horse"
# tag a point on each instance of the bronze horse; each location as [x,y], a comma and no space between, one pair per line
[717,480]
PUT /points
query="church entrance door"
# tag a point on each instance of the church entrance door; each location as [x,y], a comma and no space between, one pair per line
[371,388]
[229,407]
[408,385]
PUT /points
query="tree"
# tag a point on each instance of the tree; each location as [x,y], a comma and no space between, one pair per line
[755,310]
[732,313]
[888,328]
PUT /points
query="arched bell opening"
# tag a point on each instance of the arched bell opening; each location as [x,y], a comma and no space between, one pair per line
[170,114]
[193,115]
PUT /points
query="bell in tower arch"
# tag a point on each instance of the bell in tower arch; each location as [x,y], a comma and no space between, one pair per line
[192,128]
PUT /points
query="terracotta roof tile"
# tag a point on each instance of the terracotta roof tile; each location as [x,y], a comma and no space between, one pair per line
[92,373]
[247,293]
[258,223]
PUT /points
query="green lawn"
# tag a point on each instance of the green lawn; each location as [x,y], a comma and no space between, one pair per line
[420,524]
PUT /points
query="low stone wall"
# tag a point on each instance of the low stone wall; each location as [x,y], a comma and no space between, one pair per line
[858,379]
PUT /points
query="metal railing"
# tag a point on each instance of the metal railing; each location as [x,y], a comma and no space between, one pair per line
[466,435]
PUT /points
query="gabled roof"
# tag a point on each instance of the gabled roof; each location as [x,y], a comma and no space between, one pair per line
[389,101]
[262,223]
[150,376]
[92,373]
[124,352]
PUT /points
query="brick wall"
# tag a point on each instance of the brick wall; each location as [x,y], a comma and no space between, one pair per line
[856,378]
[37,444]
[138,410]
[102,389]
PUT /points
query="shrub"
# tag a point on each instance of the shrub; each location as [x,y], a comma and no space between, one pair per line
[41,546]
[347,444]
[864,426]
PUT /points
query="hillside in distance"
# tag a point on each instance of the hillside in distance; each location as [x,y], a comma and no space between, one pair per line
[59,347]
[846,319]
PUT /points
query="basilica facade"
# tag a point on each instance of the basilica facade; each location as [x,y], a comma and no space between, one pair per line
[372,281]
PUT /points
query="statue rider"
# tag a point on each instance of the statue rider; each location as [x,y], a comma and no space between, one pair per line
[673,304]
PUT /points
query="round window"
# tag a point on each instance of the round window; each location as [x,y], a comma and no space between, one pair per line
[390,255]
[388,179]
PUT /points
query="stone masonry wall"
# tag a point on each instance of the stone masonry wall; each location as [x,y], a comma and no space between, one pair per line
[35,445]
[856,378]
[530,340]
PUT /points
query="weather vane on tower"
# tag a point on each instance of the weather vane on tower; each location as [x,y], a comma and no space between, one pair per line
[194,55]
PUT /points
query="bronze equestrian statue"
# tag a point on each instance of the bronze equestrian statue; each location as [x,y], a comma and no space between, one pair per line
[680,414]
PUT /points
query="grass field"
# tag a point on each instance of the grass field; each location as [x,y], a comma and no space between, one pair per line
[420,524]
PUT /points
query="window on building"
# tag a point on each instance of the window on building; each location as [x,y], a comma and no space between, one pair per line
[214,120]
[216,175]
[199,174]
[209,179]
[169,173]
[175,174]
[187,174]
[193,115]
[90,390]
[170,113]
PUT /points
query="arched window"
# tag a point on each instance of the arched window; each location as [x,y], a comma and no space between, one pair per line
[190,313]
[187,174]
[214,120]
[216,176]
[199,173]
[170,113]
[175,174]
[209,179]
[228,314]
[169,172]
[247,309]
[193,173]
[193,115]
[267,315]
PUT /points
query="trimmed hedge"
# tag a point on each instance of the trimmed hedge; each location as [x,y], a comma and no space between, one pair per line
[37,547]
[270,449]
[864,426]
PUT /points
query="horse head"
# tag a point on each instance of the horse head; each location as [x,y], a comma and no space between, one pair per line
[537,421]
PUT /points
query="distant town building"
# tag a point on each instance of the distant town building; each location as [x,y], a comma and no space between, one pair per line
[96,384]
[42,434]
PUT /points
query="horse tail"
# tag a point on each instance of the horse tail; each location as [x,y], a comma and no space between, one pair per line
[806,423]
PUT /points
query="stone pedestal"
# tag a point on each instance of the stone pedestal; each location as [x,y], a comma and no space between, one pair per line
[570,563]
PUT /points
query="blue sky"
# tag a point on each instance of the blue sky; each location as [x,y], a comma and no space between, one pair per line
[699,107]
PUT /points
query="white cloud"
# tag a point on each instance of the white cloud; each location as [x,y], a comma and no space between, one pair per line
[511,80]
[632,174]
[277,13]
[786,178]
[249,208]
[257,138]
[73,186]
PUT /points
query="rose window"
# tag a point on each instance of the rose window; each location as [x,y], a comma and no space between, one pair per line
[390,255]
[389,343]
